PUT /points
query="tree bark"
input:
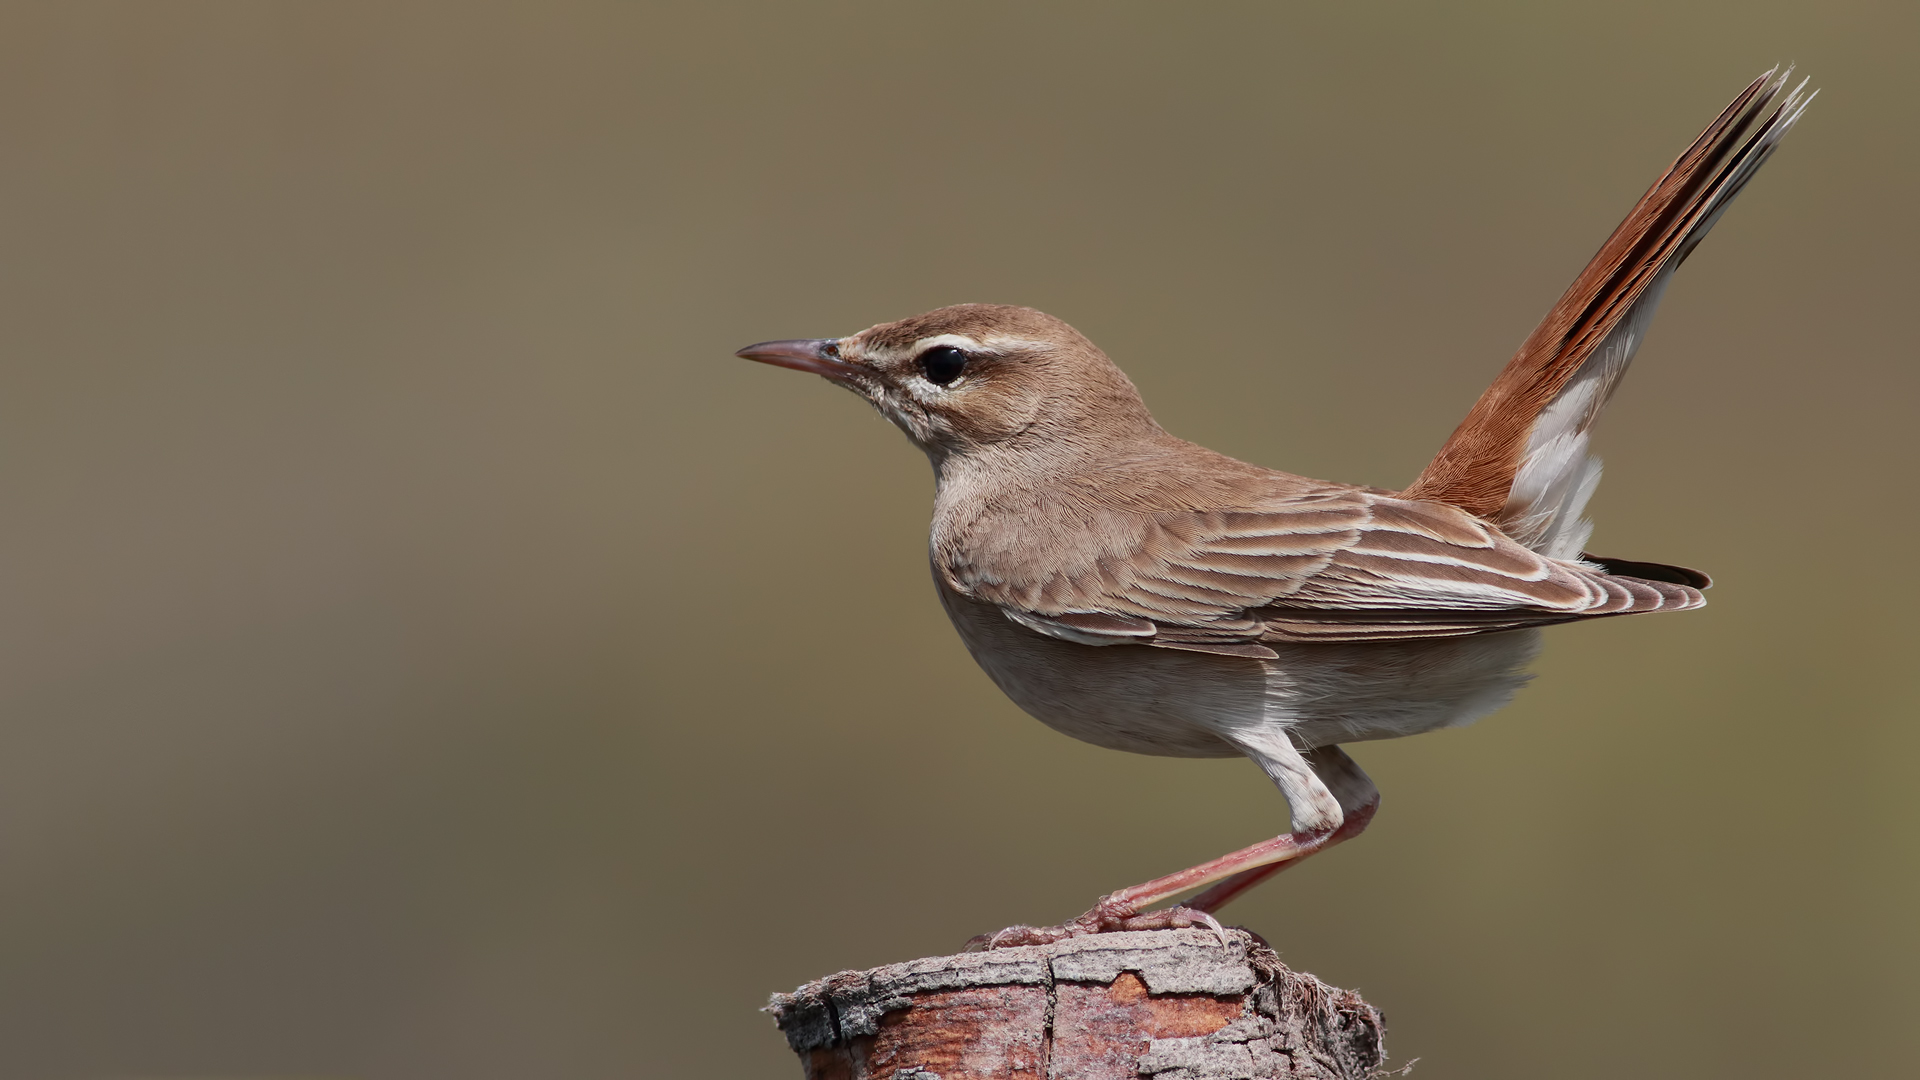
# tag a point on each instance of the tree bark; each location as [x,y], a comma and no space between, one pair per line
[1165,1004]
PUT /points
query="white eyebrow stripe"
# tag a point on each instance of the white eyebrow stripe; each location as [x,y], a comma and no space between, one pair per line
[958,341]
[992,344]
[887,355]
[1006,342]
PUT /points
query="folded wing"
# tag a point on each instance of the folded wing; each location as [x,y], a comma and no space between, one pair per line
[1343,564]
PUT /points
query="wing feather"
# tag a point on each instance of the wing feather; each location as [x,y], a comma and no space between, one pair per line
[1371,568]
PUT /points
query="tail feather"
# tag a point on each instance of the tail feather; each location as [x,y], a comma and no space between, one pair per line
[1521,456]
[1650,571]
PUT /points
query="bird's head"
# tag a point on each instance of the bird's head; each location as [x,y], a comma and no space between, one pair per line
[963,379]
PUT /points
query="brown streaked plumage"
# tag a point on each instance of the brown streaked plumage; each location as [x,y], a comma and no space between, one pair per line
[1140,592]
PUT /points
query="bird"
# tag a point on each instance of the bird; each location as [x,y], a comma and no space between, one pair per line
[1140,592]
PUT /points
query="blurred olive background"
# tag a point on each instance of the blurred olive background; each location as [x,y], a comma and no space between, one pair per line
[429,654]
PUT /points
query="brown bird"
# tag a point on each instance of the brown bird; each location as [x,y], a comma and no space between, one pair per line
[1137,591]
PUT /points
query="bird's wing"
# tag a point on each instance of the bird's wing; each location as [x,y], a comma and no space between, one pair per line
[1334,564]
[1406,578]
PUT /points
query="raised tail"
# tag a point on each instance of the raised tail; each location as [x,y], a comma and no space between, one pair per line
[1520,457]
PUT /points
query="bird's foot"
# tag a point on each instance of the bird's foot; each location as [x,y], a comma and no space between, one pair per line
[1107,916]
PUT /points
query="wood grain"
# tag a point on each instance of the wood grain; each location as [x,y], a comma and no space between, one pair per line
[1171,1004]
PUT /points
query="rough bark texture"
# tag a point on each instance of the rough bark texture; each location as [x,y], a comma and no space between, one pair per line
[1165,1004]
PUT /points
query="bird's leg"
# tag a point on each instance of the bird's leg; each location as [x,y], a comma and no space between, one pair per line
[1319,786]
[1359,799]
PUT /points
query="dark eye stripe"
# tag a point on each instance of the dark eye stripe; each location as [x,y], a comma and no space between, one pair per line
[943,364]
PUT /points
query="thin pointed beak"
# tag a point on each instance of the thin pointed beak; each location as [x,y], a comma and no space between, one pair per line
[818,355]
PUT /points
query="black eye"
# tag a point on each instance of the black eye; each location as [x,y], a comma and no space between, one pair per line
[943,364]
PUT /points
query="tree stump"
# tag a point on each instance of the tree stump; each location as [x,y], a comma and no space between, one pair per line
[1166,1004]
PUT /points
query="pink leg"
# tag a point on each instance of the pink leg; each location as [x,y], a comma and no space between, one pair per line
[1229,890]
[1324,786]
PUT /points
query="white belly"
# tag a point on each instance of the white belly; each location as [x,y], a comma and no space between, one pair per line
[1175,704]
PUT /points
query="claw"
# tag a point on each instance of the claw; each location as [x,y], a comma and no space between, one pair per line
[1213,923]
[1012,935]
[1104,918]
